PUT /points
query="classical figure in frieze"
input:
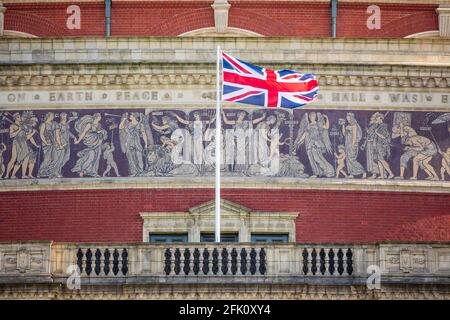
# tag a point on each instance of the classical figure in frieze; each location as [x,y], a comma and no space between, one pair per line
[108,155]
[2,165]
[418,148]
[197,129]
[340,161]
[353,135]
[47,134]
[22,131]
[445,163]
[131,131]
[377,145]
[241,140]
[181,153]
[313,132]
[62,137]
[92,134]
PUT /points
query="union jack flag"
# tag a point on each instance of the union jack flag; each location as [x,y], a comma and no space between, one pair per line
[246,83]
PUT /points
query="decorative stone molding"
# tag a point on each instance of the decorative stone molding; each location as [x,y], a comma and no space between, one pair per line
[221,8]
[444,20]
[235,218]
[25,258]
[158,75]
[2,18]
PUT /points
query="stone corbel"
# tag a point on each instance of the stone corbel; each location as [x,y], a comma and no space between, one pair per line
[444,20]
[2,18]
[221,8]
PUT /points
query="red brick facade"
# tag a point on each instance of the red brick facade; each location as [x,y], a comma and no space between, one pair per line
[171,18]
[325,216]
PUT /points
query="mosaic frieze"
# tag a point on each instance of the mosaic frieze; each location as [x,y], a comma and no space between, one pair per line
[337,144]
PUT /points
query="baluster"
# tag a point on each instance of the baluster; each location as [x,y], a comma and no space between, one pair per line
[314,261]
[80,260]
[124,261]
[88,262]
[215,262]
[262,261]
[205,267]
[224,261]
[243,261]
[98,256]
[252,261]
[107,255]
[167,261]
[234,255]
[187,261]
[177,268]
[331,261]
[196,268]
[340,256]
[322,261]
[305,255]
[349,256]
[115,262]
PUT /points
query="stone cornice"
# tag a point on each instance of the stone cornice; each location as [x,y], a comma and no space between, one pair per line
[161,75]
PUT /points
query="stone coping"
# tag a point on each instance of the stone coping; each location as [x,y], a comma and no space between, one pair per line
[427,52]
[227,183]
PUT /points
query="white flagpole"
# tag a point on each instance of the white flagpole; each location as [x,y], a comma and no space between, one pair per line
[218,147]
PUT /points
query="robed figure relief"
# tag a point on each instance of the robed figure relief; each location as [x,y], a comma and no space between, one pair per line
[92,134]
[62,137]
[48,167]
[313,133]
[353,134]
[377,145]
[241,141]
[131,130]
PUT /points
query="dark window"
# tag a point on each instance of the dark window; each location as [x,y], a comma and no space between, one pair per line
[270,238]
[168,238]
[224,237]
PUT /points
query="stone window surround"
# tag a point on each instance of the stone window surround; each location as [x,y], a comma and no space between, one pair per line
[234,218]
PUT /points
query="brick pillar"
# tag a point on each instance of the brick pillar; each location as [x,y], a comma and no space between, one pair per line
[221,8]
[444,20]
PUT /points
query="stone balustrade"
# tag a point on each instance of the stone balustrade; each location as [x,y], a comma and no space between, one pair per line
[47,270]
[25,260]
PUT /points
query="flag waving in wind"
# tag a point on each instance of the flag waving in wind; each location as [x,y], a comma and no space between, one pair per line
[250,84]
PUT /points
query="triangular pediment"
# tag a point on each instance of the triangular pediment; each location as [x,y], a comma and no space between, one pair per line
[227,208]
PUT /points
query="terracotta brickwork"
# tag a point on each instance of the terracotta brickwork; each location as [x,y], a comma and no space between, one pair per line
[268,18]
[324,216]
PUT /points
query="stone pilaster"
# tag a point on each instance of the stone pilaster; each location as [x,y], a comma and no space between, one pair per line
[2,18]
[221,8]
[444,20]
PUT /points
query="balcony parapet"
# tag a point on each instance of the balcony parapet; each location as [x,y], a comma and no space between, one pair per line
[100,263]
